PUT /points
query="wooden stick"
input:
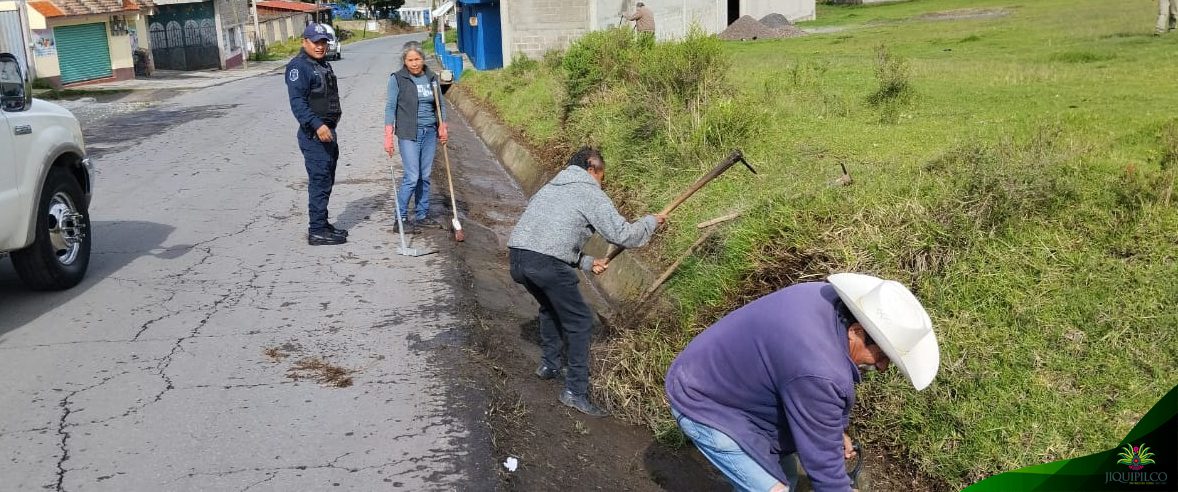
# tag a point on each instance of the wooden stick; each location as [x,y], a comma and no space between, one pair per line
[675,266]
[717,220]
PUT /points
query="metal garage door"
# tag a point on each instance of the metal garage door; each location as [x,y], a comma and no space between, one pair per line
[82,52]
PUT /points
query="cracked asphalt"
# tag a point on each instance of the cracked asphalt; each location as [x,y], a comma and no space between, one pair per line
[159,371]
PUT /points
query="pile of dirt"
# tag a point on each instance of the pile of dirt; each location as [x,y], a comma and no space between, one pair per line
[747,28]
[776,21]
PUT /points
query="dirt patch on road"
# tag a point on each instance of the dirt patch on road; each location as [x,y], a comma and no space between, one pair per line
[324,373]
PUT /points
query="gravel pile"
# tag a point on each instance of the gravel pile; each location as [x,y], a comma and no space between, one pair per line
[775,21]
[747,28]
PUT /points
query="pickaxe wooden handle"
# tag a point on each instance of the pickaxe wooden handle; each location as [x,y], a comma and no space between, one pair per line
[732,159]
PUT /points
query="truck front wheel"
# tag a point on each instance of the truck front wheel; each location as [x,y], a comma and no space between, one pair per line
[60,252]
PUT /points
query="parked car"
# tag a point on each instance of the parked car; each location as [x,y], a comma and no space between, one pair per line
[335,49]
[45,185]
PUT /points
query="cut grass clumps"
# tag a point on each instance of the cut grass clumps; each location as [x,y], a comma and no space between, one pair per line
[1025,196]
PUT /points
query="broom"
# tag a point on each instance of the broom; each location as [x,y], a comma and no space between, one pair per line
[458,234]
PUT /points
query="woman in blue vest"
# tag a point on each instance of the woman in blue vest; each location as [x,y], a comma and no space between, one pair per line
[412,123]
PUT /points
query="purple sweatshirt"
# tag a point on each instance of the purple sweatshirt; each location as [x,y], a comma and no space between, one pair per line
[775,376]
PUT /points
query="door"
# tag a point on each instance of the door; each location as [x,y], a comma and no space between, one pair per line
[83,52]
[10,193]
[184,37]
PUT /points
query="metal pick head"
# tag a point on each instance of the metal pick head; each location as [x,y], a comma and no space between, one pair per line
[414,252]
[746,164]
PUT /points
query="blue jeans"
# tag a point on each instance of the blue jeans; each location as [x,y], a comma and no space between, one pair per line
[562,312]
[417,157]
[741,470]
[320,159]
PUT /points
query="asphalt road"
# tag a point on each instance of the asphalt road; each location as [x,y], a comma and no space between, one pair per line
[170,367]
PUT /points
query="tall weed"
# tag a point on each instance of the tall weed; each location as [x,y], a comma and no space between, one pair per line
[593,60]
[686,73]
[895,87]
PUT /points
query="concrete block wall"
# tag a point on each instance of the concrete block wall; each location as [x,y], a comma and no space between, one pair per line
[533,27]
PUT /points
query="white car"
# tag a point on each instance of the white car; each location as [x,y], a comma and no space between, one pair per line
[45,184]
[335,49]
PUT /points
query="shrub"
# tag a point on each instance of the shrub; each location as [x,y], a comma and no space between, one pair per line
[592,60]
[687,73]
[895,88]
[521,65]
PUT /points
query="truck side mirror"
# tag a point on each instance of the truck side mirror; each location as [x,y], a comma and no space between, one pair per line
[16,94]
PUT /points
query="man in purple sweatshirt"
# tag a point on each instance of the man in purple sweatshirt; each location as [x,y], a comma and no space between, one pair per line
[778,375]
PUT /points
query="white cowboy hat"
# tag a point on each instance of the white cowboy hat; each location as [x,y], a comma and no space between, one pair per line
[894,318]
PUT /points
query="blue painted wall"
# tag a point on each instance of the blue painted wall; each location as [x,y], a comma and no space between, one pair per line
[482,42]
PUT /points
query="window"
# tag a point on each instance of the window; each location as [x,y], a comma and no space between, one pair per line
[12,85]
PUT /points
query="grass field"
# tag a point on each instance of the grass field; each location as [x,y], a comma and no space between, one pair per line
[1014,164]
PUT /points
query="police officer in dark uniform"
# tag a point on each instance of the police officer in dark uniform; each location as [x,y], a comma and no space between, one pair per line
[314,99]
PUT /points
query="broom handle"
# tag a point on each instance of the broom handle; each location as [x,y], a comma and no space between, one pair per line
[445,153]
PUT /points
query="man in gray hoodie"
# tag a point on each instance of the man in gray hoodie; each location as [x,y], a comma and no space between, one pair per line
[545,250]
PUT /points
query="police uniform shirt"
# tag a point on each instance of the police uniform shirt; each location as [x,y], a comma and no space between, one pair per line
[313,91]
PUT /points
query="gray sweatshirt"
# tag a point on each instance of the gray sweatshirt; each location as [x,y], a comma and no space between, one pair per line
[566,212]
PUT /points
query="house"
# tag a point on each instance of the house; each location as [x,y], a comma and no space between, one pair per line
[198,34]
[280,20]
[416,12]
[492,31]
[81,41]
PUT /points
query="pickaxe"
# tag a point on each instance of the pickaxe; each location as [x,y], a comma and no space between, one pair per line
[736,156]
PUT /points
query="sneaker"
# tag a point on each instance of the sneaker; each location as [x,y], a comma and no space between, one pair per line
[410,228]
[325,238]
[545,372]
[582,404]
[337,232]
[428,222]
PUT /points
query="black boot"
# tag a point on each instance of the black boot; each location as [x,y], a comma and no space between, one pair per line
[325,238]
[337,232]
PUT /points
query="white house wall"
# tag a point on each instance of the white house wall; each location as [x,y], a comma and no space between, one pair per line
[672,18]
[794,10]
[533,27]
[231,18]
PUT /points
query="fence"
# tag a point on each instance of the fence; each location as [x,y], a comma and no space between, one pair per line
[449,62]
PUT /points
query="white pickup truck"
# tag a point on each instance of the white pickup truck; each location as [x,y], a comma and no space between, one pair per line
[45,183]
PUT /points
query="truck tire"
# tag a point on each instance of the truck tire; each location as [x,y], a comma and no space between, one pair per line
[60,252]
